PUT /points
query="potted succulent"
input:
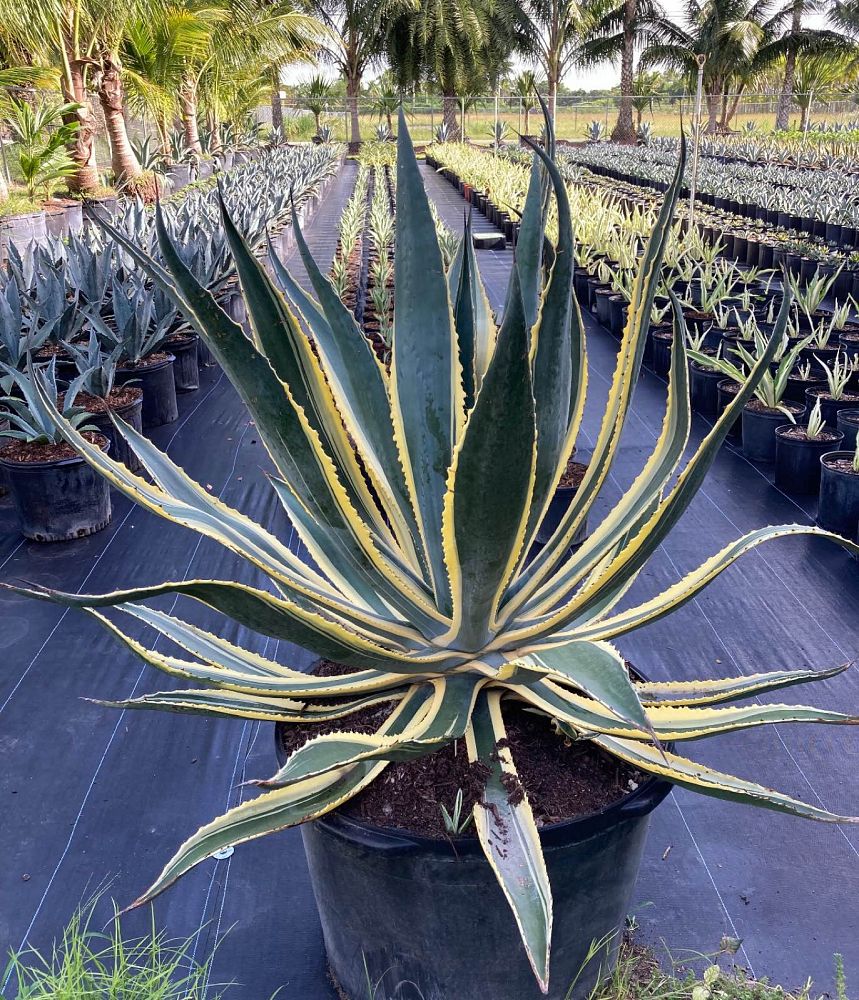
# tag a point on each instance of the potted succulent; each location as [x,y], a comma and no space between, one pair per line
[420,600]
[767,409]
[848,423]
[834,391]
[57,495]
[798,450]
[838,509]
[141,358]
[94,390]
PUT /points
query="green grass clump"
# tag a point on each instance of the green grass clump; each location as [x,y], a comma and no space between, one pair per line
[17,204]
[89,964]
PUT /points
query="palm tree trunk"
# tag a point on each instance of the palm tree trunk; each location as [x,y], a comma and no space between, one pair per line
[188,108]
[276,103]
[215,129]
[806,115]
[527,119]
[712,112]
[782,116]
[353,87]
[450,106]
[82,146]
[623,130]
[124,163]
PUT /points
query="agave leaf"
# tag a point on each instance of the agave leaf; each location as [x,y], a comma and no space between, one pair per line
[236,705]
[358,382]
[278,809]
[698,778]
[473,319]
[600,672]
[638,503]
[278,336]
[712,691]
[620,394]
[448,704]
[426,380]
[487,502]
[509,836]
[683,723]
[693,583]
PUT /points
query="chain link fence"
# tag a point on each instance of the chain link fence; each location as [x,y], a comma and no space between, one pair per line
[664,114]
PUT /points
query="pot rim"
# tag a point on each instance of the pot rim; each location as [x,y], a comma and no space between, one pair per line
[837,455]
[52,463]
[838,436]
[148,368]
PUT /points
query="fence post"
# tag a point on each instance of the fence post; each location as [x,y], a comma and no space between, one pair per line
[696,135]
[462,119]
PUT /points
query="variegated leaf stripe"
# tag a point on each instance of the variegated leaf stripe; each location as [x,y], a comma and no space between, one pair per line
[238,705]
[509,836]
[698,778]
[280,808]
[712,691]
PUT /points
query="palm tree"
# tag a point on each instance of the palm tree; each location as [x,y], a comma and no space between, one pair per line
[358,31]
[615,33]
[728,33]
[791,39]
[315,96]
[643,87]
[386,100]
[525,88]
[12,78]
[820,74]
[557,29]
[459,46]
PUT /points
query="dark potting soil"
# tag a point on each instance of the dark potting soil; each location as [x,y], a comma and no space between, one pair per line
[563,778]
[841,465]
[147,362]
[799,434]
[852,396]
[25,452]
[119,397]
[574,474]
[756,406]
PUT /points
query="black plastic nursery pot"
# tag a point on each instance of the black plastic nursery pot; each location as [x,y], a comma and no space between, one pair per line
[205,358]
[159,390]
[829,407]
[186,367]
[661,342]
[797,458]
[838,509]
[120,450]
[848,423]
[759,427]
[704,390]
[727,389]
[22,230]
[58,500]
[558,505]
[401,907]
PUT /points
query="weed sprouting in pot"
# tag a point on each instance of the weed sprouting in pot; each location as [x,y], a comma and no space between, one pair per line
[454,822]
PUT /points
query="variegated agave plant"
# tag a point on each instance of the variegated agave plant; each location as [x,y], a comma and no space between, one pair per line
[419,536]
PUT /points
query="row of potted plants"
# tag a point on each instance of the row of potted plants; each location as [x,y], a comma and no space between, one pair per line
[83,323]
[727,307]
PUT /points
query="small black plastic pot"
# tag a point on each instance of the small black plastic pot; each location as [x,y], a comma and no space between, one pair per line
[205,358]
[797,459]
[616,314]
[558,506]
[401,906]
[847,421]
[728,389]
[838,509]
[661,341]
[704,390]
[186,367]
[159,390]
[59,500]
[829,407]
[797,387]
[601,302]
[759,427]
[120,450]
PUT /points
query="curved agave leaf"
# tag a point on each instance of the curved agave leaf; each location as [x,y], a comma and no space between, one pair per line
[509,836]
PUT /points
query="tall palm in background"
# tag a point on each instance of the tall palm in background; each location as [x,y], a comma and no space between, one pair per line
[558,29]
[728,33]
[525,87]
[357,34]
[615,33]
[820,75]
